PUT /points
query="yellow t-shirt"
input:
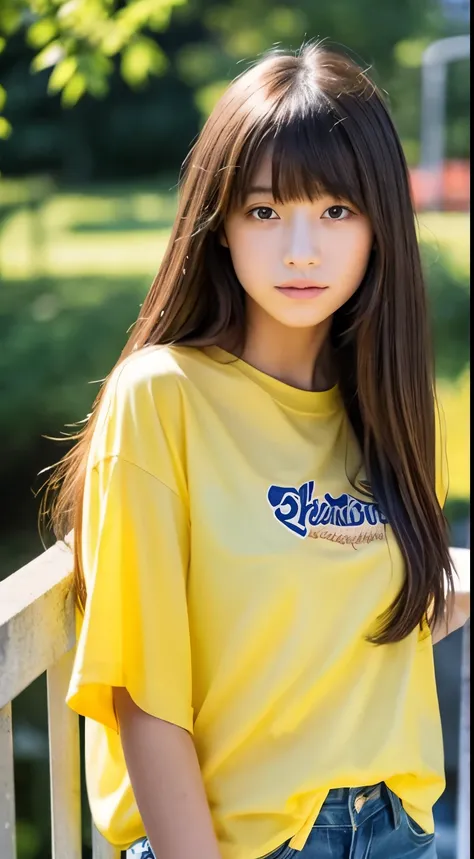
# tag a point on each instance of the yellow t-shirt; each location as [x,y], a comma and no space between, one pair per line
[233,572]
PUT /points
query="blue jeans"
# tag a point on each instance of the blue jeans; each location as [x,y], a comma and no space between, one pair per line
[354,823]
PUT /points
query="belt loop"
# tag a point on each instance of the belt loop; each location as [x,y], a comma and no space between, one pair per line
[396,807]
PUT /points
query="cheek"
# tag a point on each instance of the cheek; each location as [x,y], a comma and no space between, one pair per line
[352,255]
[248,252]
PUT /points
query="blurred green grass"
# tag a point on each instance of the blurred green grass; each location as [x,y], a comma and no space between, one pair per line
[90,241]
[91,233]
[448,232]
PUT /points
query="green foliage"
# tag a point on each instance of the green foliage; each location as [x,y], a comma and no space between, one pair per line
[409,52]
[28,839]
[449,301]
[140,59]
[5,127]
[176,57]
[78,39]
[341,23]
[58,335]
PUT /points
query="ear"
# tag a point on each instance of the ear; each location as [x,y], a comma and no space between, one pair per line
[223,238]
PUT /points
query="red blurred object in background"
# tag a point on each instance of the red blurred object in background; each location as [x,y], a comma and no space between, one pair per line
[455,193]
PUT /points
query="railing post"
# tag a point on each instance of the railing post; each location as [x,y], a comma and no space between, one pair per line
[7,786]
[64,764]
[101,849]
[463,810]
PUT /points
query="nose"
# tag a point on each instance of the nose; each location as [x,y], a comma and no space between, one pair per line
[302,248]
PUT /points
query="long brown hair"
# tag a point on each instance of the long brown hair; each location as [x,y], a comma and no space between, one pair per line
[329,130]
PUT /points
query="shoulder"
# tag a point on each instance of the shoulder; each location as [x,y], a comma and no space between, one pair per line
[155,367]
[162,377]
[155,377]
[140,412]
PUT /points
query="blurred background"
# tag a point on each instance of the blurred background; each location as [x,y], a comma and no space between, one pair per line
[99,103]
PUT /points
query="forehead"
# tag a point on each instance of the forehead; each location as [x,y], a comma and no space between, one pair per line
[300,159]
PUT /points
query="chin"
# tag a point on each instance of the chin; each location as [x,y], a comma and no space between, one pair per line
[302,320]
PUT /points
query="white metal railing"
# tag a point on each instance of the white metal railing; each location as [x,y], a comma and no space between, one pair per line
[37,634]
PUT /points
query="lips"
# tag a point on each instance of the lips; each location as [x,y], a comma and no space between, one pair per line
[301,284]
[302,289]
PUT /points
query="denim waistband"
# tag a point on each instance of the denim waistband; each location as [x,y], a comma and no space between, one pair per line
[352,806]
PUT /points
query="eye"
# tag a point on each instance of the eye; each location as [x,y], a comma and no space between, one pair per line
[263,213]
[334,213]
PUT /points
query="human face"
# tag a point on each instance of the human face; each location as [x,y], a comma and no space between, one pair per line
[320,246]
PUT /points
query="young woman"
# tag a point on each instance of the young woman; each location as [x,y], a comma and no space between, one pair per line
[260,551]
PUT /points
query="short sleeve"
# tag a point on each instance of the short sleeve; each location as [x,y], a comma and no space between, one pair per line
[134,632]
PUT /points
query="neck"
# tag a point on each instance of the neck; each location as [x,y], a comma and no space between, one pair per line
[300,357]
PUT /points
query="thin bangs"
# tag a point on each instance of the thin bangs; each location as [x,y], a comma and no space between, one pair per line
[311,155]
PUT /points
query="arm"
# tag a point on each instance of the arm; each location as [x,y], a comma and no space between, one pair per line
[461,610]
[459,605]
[166,780]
